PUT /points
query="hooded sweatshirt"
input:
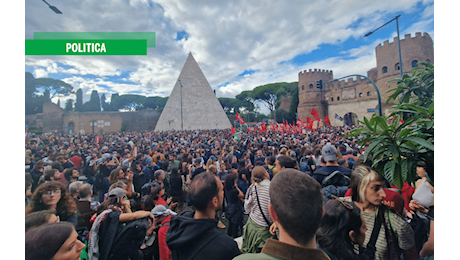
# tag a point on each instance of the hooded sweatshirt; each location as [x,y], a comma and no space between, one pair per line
[190,238]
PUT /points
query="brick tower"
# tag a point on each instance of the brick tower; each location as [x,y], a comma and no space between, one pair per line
[309,95]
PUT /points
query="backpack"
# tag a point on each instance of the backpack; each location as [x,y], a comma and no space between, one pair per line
[88,171]
[128,240]
[335,184]
[351,162]
[304,167]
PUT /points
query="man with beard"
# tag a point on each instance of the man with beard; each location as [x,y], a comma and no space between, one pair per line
[194,234]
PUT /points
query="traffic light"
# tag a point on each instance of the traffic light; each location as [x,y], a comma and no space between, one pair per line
[319,84]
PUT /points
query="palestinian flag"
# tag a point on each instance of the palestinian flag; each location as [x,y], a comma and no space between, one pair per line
[240,119]
[234,134]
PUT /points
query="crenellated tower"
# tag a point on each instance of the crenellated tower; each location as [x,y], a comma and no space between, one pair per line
[413,51]
[309,95]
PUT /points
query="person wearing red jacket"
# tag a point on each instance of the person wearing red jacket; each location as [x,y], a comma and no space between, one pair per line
[162,218]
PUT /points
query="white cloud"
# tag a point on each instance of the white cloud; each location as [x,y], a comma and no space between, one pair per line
[40,73]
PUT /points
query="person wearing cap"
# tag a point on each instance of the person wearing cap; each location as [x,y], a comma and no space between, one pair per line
[329,153]
[162,219]
[146,174]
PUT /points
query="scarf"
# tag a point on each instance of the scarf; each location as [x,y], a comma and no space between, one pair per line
[93,240]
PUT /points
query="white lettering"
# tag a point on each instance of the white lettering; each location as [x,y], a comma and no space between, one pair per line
[85,47]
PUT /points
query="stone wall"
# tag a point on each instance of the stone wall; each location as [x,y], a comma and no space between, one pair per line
[55,118]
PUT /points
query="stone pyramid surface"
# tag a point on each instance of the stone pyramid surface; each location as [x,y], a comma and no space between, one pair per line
[200,107]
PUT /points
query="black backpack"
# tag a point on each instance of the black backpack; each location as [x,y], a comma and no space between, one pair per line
[128,240]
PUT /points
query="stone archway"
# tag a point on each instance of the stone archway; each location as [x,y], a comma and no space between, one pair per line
[71,127]
[350,119]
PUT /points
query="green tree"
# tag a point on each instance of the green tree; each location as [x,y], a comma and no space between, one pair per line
[130,102]
[79,101]
[396,146]
[233,105]
[55,87]
[34,98]
[269,94]
[94,103]
[157,103]
[104,103]
[69,105]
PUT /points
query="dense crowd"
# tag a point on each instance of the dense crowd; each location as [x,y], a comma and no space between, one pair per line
[166,195]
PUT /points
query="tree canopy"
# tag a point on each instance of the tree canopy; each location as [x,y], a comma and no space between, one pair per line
[39,91]
[34,97]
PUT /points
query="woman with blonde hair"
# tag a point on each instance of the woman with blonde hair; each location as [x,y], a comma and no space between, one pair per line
[257,228]
[395,236]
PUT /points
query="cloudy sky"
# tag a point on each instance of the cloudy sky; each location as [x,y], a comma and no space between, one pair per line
[239,45]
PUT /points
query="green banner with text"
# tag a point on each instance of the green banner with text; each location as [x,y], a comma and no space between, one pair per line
[86,47]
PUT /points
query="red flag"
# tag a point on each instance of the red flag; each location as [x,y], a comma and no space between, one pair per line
[326,120]
[233,131]
[264,127]
[238,117]
[299,122]
[310,123]
[249,129]
[314,113]
[97,139]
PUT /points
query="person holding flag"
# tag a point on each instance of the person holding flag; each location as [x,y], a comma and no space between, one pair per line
[310,123]
[315,114]
[264,127]
[240,120]
[327,121]
[235,134]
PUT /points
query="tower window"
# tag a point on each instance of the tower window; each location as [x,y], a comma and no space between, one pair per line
[338,98]
[303,87]
[414,63]
[368,93]
[385,69]
[311,86]
[332,99]
[397,66]
[360,94]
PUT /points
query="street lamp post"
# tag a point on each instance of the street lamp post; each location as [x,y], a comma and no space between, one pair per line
[399,42]
[372,82]
[54,8]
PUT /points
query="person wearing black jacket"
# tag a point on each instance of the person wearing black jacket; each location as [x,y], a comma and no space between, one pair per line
[194,234]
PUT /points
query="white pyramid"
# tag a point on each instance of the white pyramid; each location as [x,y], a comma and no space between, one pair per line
[200,108]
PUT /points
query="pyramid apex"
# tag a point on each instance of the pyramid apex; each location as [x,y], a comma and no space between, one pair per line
[192,103]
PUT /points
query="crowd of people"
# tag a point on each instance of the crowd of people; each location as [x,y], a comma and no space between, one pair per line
[166,195]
